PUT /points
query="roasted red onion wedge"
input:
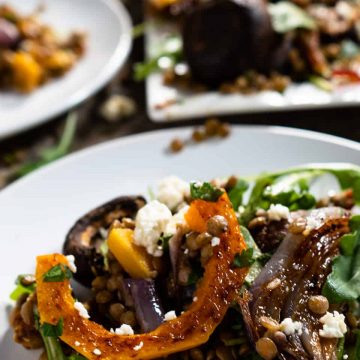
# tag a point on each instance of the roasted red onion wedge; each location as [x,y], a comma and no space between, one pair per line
[296,271]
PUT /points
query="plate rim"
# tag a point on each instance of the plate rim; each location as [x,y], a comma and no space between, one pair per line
[115,63]
[133,138]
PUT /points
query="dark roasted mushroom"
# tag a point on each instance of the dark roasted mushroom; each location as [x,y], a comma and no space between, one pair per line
[297,271]
[222,39]
[87,235]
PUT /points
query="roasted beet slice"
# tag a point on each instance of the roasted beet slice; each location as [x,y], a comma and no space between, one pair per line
[86,236]
[299,267]
[224,38]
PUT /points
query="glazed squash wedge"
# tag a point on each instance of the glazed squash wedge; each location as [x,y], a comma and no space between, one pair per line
[217,290]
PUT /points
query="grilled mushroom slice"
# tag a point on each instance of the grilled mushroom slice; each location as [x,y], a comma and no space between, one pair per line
[89,232]
[297,271]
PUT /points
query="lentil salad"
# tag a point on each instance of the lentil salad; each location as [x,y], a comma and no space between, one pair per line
[285,284]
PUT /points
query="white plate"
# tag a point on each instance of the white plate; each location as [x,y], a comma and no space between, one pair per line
[108,26]
[187,105]
[37,211]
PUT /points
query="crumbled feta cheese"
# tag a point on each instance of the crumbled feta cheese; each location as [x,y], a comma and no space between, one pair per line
[150,224]
[215,241]
[170,315]
[186,251]
[278,212]
[172,191]
[82,310]
[333,325]
[195,299]
[97,352]
[177,220]
[345,356]
[138,347]
[117,107]
[77,343]
[124,329]
[290,327]
[71,263]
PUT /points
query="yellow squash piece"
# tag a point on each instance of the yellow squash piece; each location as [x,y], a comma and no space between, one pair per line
[134,259]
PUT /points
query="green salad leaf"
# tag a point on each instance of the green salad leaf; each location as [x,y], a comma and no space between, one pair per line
[286,16]
[50,330]
[21,289]
[343,283]
[236,194]
[58,273]
[205,191]
[244,259]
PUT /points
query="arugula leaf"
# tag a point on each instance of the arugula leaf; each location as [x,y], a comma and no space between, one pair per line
[205,191]
[237,192]
[53,153]
[343,283]
[171,50]
[58,273]
[50,330]
[244,259]
[21,289]
[286,17]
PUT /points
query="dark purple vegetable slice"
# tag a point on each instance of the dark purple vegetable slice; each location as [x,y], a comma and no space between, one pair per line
[9,34]
[85,238]
[147,304]
[224,38]
[301,263]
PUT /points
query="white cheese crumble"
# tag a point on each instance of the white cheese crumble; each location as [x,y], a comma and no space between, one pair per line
[71,263]
[97,352]
[150,224]
[170,315]
[277,212]
[195,299]
[117,107]
[215,241]
[345,356]
[77,343]
[290,327]
[333,325]
[172,191]
[177,220]
[138,347]
[124,329]
[82,310]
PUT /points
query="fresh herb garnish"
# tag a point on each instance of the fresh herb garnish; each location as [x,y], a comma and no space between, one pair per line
[21,288]
[244,259]
[205,191]
[236,194]
[343,283]
[287,16]
[58,273]
[50,330]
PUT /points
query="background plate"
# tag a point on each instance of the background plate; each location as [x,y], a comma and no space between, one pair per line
[108,26]
[37,211]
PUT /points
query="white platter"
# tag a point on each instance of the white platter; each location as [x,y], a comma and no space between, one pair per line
[37,211]
[108,26]
[187,105]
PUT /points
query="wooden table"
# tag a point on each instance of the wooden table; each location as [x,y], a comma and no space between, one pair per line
[93,129]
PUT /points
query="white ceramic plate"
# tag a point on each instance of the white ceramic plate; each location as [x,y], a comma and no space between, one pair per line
[37,211]
[187,105]
[108,26]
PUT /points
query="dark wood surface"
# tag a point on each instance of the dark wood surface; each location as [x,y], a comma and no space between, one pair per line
[92,128]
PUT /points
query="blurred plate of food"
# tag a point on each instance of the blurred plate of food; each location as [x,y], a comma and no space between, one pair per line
[54,54]
[234,56]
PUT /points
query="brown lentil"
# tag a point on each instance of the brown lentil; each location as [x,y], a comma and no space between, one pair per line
[217,225]
[257,222]
[266,348]
[116,310]
[297,226]
[191,243]
[224,130]
[115,268]
[114,283]
[318,304]
[231,182]
[206,253]
[128,317]
[103,297]
[198,135]
[352,320]
[99,283]
[28,280]
[269,323]
[212,127]
[176,145]
[203,239]
[196,354]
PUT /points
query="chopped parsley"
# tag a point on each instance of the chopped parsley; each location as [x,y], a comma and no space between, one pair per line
[205,191]
[58,273]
